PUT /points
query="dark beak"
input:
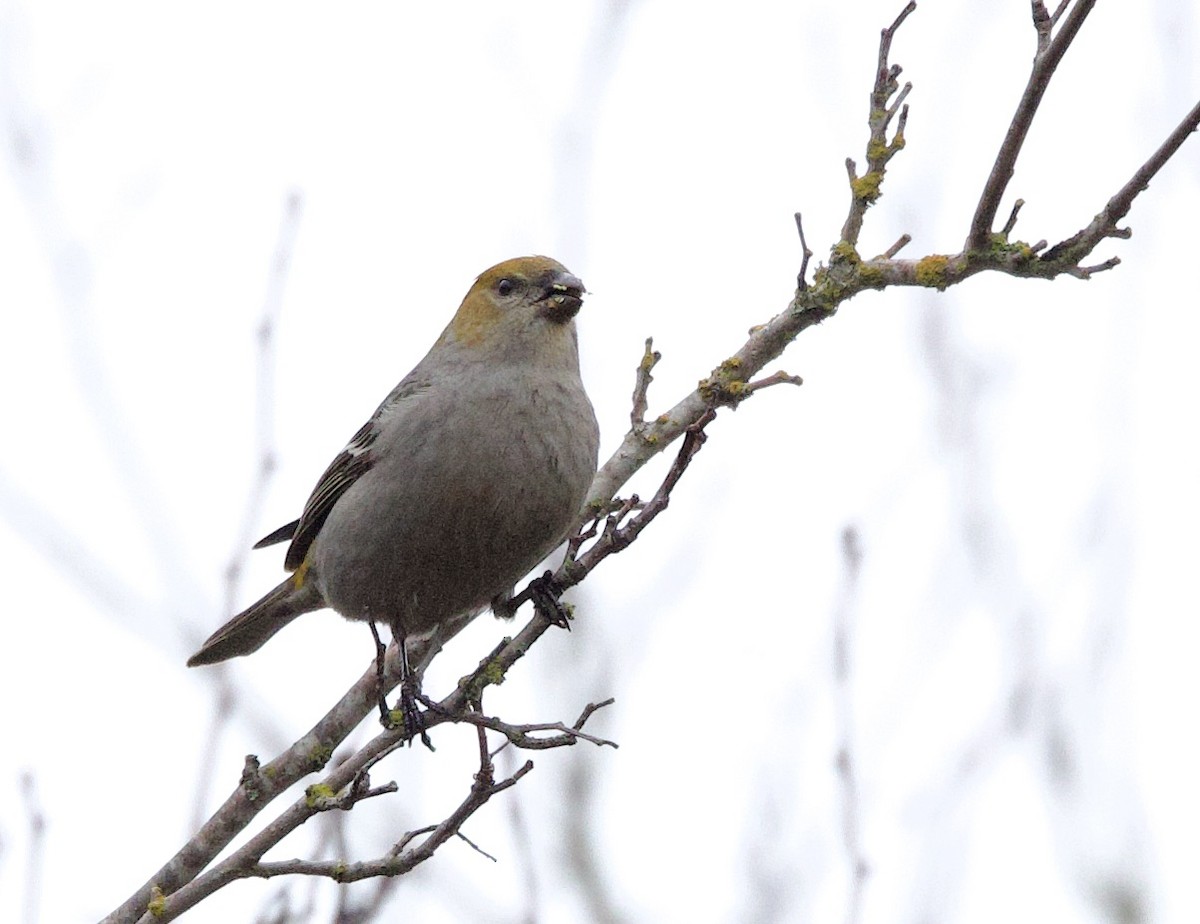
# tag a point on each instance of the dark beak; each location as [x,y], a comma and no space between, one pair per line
[563,297]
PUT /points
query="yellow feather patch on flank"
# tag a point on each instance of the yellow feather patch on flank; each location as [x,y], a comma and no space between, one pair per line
[301,574]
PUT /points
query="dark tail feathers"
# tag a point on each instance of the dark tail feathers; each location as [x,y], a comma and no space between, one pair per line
[249,630]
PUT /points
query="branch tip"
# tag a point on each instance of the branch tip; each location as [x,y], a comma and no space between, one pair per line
[1012,218]
[806,255]
[899,103]
[1045,62]
[470,843]
[641,386]
[899,20]
[1086,272]
[903,241]
[775,378]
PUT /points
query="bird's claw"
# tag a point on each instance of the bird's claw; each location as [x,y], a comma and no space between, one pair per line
[545,592]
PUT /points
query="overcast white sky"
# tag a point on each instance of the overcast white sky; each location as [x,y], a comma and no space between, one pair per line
[1020,458]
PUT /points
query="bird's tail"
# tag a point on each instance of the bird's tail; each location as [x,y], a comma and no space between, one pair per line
[249,630]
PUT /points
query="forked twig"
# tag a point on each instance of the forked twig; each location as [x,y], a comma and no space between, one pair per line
[1050,52]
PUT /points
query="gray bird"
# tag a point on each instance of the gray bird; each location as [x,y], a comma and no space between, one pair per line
[469,473]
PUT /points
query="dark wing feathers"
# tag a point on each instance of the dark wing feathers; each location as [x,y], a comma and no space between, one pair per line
[346,469]
[283,534]
[350,465]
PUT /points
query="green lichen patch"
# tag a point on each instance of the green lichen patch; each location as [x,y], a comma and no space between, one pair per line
[931,271]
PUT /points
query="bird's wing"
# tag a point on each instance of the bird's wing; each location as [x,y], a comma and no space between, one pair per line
[349,465]
[283,534]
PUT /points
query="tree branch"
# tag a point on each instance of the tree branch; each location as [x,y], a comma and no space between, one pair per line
[865,189]
[1104,225]
[1050,52]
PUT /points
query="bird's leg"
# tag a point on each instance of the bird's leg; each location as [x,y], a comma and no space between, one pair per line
[410,689]
[380,659]
[410,692]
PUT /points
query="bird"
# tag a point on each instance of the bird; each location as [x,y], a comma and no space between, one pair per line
[470,472]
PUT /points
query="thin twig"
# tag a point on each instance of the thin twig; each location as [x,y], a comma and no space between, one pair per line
[1086,272]
[1012,218]
[614,538]
[901,242]
[864,190]
[345,801]
[589,709]
[409,837]
[805,256]
[1105,224]
[650,358]
[775,378]
[396,862]
[1045,62]
[245,862]
[474,846]
[523,736]
[1043,24]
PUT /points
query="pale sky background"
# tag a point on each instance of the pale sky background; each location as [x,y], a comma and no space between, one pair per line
[1020,458]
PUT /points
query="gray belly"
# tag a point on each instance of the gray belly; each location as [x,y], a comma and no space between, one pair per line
[429,533]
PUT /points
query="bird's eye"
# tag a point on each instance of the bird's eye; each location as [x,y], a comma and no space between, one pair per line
[505,287]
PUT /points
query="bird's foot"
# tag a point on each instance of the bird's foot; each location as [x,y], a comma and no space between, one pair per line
[408,715]
[545,593]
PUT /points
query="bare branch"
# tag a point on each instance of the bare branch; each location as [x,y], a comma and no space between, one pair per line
[1045,62]
[589,709]
[885,46]
[1105,224]
[615,537]
[1043,24]
[1012,218]
[864,190]
[1086,272]
[479,850]
[775,378]
[397,861]
[901,242]
[359,789]
[523,736]
[246,861]
[805,256]
[637,416]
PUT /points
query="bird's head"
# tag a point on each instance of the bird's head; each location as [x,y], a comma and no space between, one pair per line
[518,307]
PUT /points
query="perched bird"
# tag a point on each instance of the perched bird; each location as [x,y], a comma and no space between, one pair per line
[469,473]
